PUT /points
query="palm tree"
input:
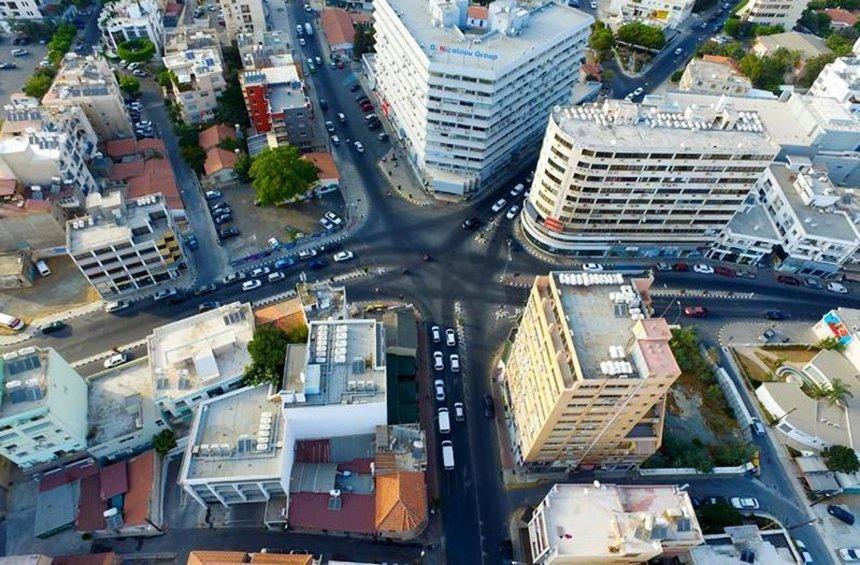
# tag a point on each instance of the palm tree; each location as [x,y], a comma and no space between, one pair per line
[837,393]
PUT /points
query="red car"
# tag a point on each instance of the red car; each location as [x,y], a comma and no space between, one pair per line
[724,271]
[367,107]
[681,267]
[789,280]
[695,311]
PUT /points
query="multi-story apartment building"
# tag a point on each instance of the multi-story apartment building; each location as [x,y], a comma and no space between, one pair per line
[90,83]
[278,105]
[43,407]
[586,380]
[713,74]
[840,80]
[815,234]
[198,81]
[13,10]
[49,150]
[785,13]
[269,51]
[185,37]
[125,20]
[660,13]
[244,16]
[620,179]
[122,247]
[470,103]
[592,524]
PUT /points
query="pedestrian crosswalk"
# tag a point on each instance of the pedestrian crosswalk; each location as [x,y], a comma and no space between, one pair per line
[702,293]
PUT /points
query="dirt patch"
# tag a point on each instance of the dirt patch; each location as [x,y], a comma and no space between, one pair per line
[800,355]
[65,289]
[703,407]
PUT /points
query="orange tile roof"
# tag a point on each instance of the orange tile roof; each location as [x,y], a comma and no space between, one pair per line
[8,187]
[722,60]
[141,471]
[124,171]
[286,314]
[401,502]
[212,136]
[337,26]
[156,177]
[216,557]
[478,12]
[325,164]
[151,143]
[120,147]
[218,159]
[87,559]
[284,558]
[841,16]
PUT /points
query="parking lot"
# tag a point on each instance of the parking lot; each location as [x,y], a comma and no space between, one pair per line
[12,80]
[257,224]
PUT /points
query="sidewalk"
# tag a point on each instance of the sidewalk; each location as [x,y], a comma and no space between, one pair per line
[32,329]
[401,180]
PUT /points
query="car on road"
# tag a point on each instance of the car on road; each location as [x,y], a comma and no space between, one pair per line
[836,287]
[849,554]
[335,140]
[205,289]
[455,363]
[841,514]
[276,276]
[302,41]
[341,117]
[744,503]
[115,360]
[664,267]
[746,274]
[435,334]
[804,553]
[52,327]
[222,219]
[812,283]
[724,271]
[208,305]
[678,51]
[592,5]
[517,190]
[450,338]
[233,277]
[359,146]
[117,306]
[318,61]
[284,262]
[773,315]
[500,203]
[459,412]
[489,407]
[382,137]
[512,212]
[329,126]
[18,52]
[260,271]
[139,73]
[212,194]
[251,285]
[307,7]
[439,386]
[317,264]
[307,253]
[438,363]
[703,269]
[696,312]
[471,223]
[192,243]
[767,335]
[342,256]
[8,66]
[333,218]
[300,31]
[163,293]
[592,267]
[789,280]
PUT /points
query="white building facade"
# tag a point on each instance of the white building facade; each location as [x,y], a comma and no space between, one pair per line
[470,104]
[785,13]
[660,13]
[840,80]
[244,16]
[12,10]
[199,82]
[132,19]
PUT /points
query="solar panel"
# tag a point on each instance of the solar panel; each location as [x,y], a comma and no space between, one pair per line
[33,393]
[620,310]
[335,503]
[245,445]
[18,395]
[234,317]
[24,365]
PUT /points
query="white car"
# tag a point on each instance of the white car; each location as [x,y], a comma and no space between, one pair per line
[43,268]
[512,212]
[439,385]
[359,146]
[114,360]
[837,287]
[302,41]
[275,277]
[515,191]
[593,5]
[307,7]
[592,267]
[450,337]
[703,269]
[639,90]
[209,194]
[333,218]
[139,73]
[164,293]
[455,363]
[438,364]
[459,412]
[435,332]
[251,285]
[260,271]
[307,253]
[112,307]
[342,256]
[745,503]
[499,205]
[850,554]
[274,243]
[678,51]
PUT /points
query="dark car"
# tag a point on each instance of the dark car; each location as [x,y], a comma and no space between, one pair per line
[773,315]
[680,267]
[489,407]
[52,327]
[209,305]
[228,232]
[192,242]
[696,312]
[382,136]
[317,264]
[323,104]
[355,87]
[177,298]
[374,124]
[285,262]
[223,219]
[724,271]
[205,289]
[361,98]
[789,280]
[841,514]
[472,224]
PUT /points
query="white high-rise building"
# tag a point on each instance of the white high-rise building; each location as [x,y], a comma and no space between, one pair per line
[132,19]
[840,80]
[470,98]
[199,82]
[785,13]
[14,10]
[660,13]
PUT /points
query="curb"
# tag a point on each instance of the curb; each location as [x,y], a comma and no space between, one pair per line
[106,354]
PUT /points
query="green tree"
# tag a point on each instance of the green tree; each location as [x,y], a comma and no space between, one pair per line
[841,459]
[733,453]
[737,28]
[761,30]
[676,76]
[231,144]
[267,350]
[298,334]
[813,67]
[231,105]
[714,518]
[194,156]
[130,85]
[637,33]
[242,168]
[768,72]
[601,41]
[816,22]
[163,442]
[138,50]
[165,78]
[837,393]
[838,44]
[186,135]
[280,174]
[61,42]
[364,40]
[830,343]
[38,85]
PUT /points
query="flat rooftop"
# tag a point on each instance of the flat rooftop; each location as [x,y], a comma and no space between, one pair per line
[753,221]
[344,362]
[705,70]
[200,350]
[581,520]
[120,401]
[140,220]
[200,62]
[237,435]
[25,380]
[82,77]
[547,23]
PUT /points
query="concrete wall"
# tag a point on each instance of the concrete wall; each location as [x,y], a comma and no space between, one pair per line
[335,420]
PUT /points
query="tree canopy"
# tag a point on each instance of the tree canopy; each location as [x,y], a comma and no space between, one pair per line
[841,459]
[637,33]
[267,351]
[364,40]
[231,105]
[280,174]
[163,442]
[138,50]
[768,72]
[129,84]
[61,42]
[194,156]
[714,518]
[39,84]
[601,40]
[811,69]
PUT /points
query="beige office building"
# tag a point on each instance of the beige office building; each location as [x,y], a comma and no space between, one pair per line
[244,16]
[586,379]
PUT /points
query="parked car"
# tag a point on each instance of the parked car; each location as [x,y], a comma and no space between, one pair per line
[836,287]
[664,267]
[788,279]
[233,277]
[117,306]
[43,269]
[696,311]
[285,262]
[274,243]
[439,386]
[358,146]
[841,514]
[343,256]
[329,126]
[767,335]
[52,327]
[703,269]
[259,271]
[773,315]
[222,219]
[341,117]
[382,136]
[450,338]
[489,407]
[500,203]
[680,267]
[164,293]
[307,253]
[212,194]
[205,289]
[333,218]
[471,223]
[744,503]
[335,140]
[455,363]
[208,305]
[592,267]
[724,271]
[438,363]
[18,52]
[812,283]
[746,274]
[849,554]
[139,73]
[276,276]
[678,51]
[177,298]
[228,233]
[512,212]
[251,285]
[8,66]
[115,360]
[192,243]
[435,334]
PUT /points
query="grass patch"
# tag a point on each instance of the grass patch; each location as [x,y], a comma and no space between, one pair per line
[754,372]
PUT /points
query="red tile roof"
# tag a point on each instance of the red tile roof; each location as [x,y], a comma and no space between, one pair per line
[60,478]
[212,136]
[124,171]
[90,506]
[309,510]
[114,480]
[172,9]
[325,164]
[360,466]
[401,502]
[157,176]
[218,159]
[216,557]
[722,60]
[478,12]
[313,451]
[841,16]
[117,148]
[8,187]
[109,558]
[141,471]
[151,143]
[337,26]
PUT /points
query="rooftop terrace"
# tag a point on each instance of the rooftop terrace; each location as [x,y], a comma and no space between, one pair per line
[111,220]
[120,400]
[82,77]
[25,380]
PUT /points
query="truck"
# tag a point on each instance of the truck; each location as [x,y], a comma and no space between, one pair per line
[11,322]
[308,29]
[444,421]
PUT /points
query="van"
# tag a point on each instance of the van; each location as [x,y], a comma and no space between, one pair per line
[112,307]
[448,454]
[444,421]
[43,268]
[11,322]
[308,29]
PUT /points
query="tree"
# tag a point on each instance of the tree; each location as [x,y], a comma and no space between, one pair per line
[38,85]
[841,459]
[813,67]
[837,393]
[130,85]
[280,174]
[165,78]
[637,33]
[816,22]
[714,518]
[838,44]
[676,76]
[601,41]
[163,442]
[194,156]
[298,334]
[61,42]
[364,40]
[762,29]
[737,28]
[242,168]
[231,144]
[733,453]
[830,343]
[267,350]
[138,50]
[768,72]
[231,105]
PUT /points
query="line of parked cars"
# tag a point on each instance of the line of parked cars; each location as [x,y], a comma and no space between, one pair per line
[222,215]
[142,128]
[443,415]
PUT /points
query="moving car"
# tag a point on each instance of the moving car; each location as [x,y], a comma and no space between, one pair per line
[358,146]
[455,363]
[703,269]
[773,315]
[841,514]
[436,334]
[450,338]
[341,117]
[512,212]
[115,360]
[233,277]
[664,267]
[439,386]
[343,256]
[518,189]
[744,503]
[251,285]
[18,52]
[260,271]
[489,407]
[789,280]
[192,243]
[678,51]
[139,73]
[444,421]
[276,276]
[448,454]
[438,363]
[205,289]
[307,253]
[52,327]
[500,203]
[472,223]
[382,136]
[812,283]
[459,412]
[284,262]
[836,287]
[696,311]
[335,140]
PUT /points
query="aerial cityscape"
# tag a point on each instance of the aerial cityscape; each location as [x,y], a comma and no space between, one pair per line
[429,281]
